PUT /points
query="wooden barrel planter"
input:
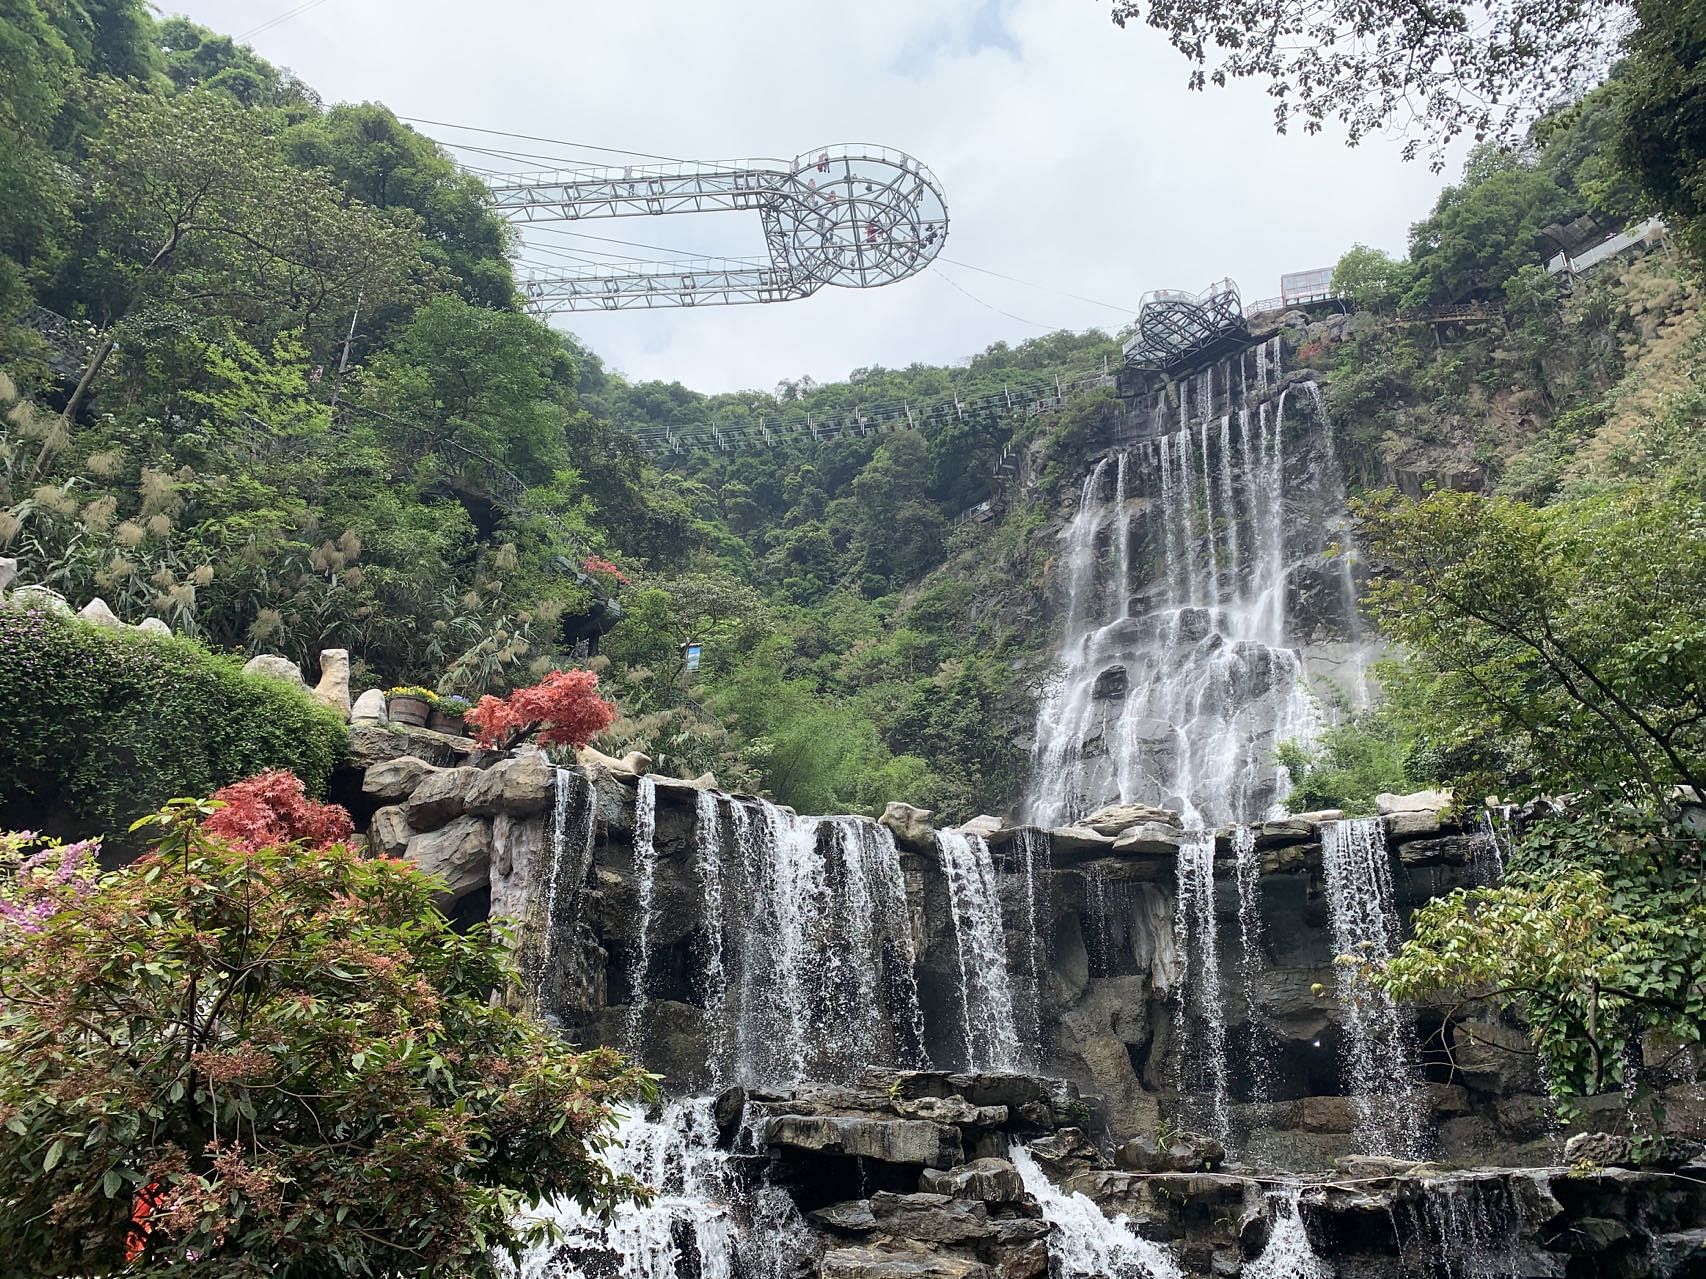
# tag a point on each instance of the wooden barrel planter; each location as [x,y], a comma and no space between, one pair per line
[408,710]
[440,722]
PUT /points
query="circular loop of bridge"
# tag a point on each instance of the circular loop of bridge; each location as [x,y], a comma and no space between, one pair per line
[861,216]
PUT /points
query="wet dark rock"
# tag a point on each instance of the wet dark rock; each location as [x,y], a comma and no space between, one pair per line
[1602,1148]
[991,1180]
[1188,1152]
[894,1141]
[1111,685]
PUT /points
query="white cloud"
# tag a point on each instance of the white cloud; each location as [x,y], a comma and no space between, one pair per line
[1071,152]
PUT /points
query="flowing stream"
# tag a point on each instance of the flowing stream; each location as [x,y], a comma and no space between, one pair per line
[1084,1243]
[986,991]
[1380,1063]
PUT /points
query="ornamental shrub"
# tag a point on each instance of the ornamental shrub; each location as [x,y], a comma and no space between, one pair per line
[273,808]
[281,1064]
[99,727]
[564,706]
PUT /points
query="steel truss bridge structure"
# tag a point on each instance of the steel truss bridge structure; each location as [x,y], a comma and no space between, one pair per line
[1029,397]
[853,216]
[1176,329]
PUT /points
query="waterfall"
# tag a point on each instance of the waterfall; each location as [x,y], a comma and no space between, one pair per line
[1381,1070]
[1034,847]
[689,1229]
[645,876]
[1177,673]
[1491,846]
[1287,1254]
[1248,870]
[986,994]
[571,855]
[1083,1242]
[1200,1011]
[708,864]
[820,959]
[1466,1227]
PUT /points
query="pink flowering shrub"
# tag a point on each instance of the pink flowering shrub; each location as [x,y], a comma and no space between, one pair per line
[271,809]
[35,885]
[598,566]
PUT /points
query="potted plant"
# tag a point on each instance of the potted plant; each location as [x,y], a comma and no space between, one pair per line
[410,704]
[447,715]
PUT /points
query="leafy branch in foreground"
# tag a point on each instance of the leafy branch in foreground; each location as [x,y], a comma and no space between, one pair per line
[284,1063]
[1437,71]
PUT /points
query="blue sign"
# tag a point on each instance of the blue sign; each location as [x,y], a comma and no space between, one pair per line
[693,657]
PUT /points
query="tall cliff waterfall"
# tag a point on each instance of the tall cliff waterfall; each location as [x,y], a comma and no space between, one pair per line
[1193,572]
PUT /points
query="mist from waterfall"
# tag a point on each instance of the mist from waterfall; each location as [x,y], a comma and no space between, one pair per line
[1179,672]
[1381,1070]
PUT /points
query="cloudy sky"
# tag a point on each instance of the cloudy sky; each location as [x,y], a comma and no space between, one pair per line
[1072,154]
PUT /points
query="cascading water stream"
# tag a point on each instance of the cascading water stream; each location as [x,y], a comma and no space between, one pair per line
[1248,871]
[570,851]
[645,879]
[1178,677]
[986,993]
[708,864]
[1086,1244]
[1380,1065]
[1200,1008]
[1288,1253]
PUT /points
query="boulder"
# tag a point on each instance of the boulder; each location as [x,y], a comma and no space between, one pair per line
[392,781]
[1320,815]
[1079,839]
[633,764]
[439,796]
[983,825]
[911,825]
[389,832]
[892,1141]
[894,1263]
[96,613]
[1412,825]
[1284,830]
[991,1180]
[1149,839]
[8,573]
[371,744]
[1608,1150]
[934,1219]
[154,626]
[369,708]
[460,854]
[44,598]
[272,666]
[1188,1152]
[952,1110]
[1111,685]
[1116,818]
[520,786]
[1422,801]
[1066,1152]
[853,1217]
[333,688]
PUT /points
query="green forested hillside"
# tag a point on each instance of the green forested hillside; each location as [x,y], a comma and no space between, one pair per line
[193,239]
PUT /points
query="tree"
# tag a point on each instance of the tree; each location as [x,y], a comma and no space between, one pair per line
[1661,131]
[564,708]
[1442,70]
[279,1063]
[1485,230]
[191,206]
[1573,637]
[1595,936]
[1370,279]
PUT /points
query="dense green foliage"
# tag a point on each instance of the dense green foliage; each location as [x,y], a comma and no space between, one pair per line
[195,448]
[1350,763]
[279,1062]
[102,727]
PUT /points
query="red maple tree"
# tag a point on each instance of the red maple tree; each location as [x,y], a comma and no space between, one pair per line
[273,808]
[564,706]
